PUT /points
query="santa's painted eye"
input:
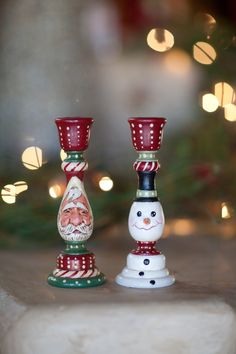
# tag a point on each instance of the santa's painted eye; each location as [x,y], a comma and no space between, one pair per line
[83,212]
[153,213]
[139,213]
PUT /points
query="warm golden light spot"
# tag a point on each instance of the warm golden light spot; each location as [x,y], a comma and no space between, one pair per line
[55,191]
[210,20]
[32,158]
[206,22]
[224,93]
[209,102]
[63,155]
[8,194]
[106,184]
[225,212]
[20,187]
[160,39]
[204,53]
[167,231]
[230,112]
[177,61]
[183,227]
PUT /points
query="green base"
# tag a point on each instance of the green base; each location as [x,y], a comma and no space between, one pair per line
[61,282]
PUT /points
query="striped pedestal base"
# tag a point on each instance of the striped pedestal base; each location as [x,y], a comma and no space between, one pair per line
[65,282]
[76,268]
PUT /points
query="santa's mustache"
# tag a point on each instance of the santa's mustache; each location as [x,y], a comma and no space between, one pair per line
[81,229]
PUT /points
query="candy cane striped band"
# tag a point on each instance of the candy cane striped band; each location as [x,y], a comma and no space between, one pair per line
[74,166]
[146,165]
[76,274]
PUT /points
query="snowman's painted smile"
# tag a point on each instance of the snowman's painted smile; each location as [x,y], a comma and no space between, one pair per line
[146,228]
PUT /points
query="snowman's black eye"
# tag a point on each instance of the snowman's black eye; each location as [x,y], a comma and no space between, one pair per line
[139,213]
[153,213]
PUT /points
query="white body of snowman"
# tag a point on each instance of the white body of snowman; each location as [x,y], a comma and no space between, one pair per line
[146,267]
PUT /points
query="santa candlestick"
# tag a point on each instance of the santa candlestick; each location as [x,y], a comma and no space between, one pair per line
[76,265]
[146,265]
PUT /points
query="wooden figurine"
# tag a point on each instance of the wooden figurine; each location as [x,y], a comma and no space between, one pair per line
[146,266]
[76,265]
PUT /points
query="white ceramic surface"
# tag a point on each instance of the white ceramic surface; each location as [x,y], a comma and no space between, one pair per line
[146,221]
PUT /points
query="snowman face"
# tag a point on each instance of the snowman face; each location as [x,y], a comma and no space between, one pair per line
[146,221]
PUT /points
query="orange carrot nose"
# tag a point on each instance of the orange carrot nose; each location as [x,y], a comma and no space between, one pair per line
[146,221]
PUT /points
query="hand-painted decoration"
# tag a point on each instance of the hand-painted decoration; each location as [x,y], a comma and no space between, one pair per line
[76,265]
[146,266]
[75,219]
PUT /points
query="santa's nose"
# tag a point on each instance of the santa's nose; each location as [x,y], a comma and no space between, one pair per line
[146,221]
[75,217]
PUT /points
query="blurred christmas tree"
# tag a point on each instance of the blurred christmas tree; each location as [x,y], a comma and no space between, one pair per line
[199,171]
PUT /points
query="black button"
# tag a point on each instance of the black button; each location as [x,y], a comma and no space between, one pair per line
[146,261]
[152,282]
[141,274]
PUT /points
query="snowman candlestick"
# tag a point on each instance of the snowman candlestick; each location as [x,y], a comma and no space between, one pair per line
[146,265]
[76,265]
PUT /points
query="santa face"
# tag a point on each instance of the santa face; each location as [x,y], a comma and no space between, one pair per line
[75,216]
[146,221]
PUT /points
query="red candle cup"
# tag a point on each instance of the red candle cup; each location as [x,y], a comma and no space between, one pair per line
[147,133]
[74,133]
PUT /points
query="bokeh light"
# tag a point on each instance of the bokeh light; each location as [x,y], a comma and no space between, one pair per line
[225,212]
[209,24]
[106,183]
[224,93]
[20,186]
[209,102]
[183,227]
[177,61]
[206,22]
[160,39]
[63,155]
[32,158]
[8,194]
[204,53]
[55,191]
[230,112]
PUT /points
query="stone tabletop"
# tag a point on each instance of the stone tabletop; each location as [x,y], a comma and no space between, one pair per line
[196,315]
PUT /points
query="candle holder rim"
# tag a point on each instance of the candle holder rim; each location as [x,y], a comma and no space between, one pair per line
[74,120]
[147,119]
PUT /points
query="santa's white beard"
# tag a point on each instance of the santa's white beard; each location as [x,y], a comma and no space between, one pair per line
[75,233]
